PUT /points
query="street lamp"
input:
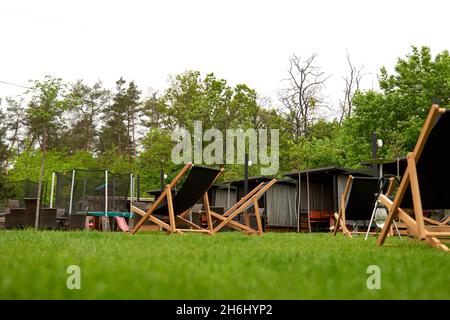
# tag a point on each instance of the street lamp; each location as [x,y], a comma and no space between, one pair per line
[379,143]
[161,177]
[247,163]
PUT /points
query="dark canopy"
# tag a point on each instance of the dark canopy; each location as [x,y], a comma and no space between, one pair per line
[198,181]
[432,168]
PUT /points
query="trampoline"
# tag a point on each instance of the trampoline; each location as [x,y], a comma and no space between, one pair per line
[93,192]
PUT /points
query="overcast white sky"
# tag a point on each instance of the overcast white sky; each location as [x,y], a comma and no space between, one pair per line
[241,41]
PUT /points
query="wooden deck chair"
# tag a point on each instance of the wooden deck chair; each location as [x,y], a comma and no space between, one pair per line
[196,185]
[442,223]
[359,199]
[425,183]
[242,206]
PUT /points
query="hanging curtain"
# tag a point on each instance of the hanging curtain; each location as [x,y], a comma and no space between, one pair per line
[280,202]
[341,182]
[221,198]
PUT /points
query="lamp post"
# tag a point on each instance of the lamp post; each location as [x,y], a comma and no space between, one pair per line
[379,145]
[374,154]
[245,174]
[161,177]
[247,163]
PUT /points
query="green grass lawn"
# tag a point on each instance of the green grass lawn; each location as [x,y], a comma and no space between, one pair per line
[225,266]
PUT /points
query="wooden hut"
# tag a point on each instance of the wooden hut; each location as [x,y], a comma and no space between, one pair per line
[318,193]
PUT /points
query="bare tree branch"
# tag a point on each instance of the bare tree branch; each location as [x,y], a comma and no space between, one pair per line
[352,86]
[303,93]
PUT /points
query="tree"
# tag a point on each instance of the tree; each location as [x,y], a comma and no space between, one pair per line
[14,123]
[156,154]
[398,112]
[113,133]
[418,80]
[86,104]
[153,110]
[118,131]
[184,101]
[43,115]
[3,155]
[320,149]
[352,86]
[133,110]
[303,94]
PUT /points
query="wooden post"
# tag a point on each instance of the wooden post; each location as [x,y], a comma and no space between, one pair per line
[52,187]
[170,207]
[342,206]
[208,211]
[390,186]
[394,208]
[246,218]
[71,192]
[417,201]
[258,217]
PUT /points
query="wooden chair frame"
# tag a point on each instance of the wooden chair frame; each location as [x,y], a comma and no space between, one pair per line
[249,200]
[442,223]
[410,178]
[167,194]
[340,216]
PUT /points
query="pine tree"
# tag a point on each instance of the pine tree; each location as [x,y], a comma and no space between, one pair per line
[120,121]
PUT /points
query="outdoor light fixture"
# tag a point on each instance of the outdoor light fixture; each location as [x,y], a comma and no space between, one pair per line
[165,176]
[380,215]
[379,143]
[249,163]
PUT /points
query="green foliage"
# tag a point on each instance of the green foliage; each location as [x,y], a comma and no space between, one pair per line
[26,165]
[156,155]
[398,112]
[190,98]
[44,113]
[418,80]
[324,129]
[313,153]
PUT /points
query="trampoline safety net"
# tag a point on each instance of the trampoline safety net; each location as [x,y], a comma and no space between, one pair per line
[89,191]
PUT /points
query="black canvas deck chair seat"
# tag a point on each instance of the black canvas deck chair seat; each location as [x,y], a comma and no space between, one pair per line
[177,208]
[358,201]
[243,206]
[425,183]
